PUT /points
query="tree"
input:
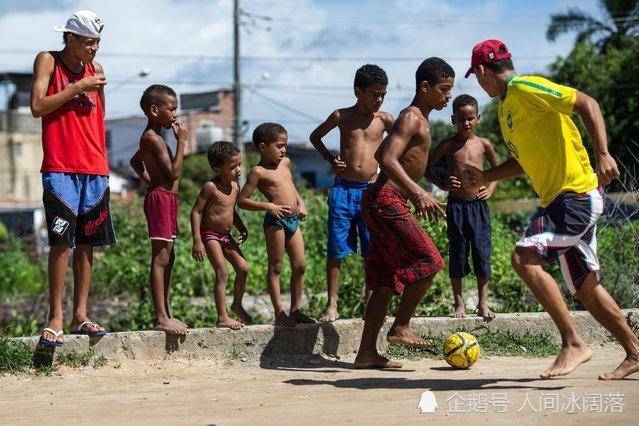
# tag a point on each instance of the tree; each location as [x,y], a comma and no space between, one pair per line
[621,20]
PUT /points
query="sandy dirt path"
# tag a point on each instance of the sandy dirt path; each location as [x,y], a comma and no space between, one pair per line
[318,391]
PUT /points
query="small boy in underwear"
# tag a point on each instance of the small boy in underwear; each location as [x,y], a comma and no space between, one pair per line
[467,213]
[212,218]
[160,169]
[284,209]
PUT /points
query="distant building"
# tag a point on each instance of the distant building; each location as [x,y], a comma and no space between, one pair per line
[208,117]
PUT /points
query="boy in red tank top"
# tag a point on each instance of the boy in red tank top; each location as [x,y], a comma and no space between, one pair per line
[157,166]
[67,92]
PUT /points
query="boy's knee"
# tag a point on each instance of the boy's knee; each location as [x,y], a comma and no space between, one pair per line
[523,257]
[275,267]
[299,268]
[221,275]
[162,258]
[242,270]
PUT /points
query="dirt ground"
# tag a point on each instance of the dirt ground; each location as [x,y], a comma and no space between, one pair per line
[319,391]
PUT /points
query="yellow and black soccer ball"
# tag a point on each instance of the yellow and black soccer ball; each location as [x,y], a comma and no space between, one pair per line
[461,350]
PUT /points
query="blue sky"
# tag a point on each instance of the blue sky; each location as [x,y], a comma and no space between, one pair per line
[310,49]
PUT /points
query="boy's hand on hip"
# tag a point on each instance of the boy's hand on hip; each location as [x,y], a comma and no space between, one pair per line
[180,132]
[303,214]
[278,211]
[453,182]
[198,251]
[606,169]
[338,165]
[484,193]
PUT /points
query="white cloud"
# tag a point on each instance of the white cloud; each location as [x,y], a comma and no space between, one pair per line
[372,29]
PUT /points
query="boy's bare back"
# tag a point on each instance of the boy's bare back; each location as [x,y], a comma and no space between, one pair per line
[360,137]
[154,151]
[276,183]
[219,210]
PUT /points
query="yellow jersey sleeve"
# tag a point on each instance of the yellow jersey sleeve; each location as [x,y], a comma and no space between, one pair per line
[542,93]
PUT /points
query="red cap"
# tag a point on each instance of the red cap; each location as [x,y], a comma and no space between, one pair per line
[487,51]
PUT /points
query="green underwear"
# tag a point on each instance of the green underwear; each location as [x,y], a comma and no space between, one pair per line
[288,224]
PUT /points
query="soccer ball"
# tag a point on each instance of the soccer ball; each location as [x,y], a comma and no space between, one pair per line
[461,350]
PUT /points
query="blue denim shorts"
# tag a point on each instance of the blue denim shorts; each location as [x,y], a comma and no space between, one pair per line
[345,221]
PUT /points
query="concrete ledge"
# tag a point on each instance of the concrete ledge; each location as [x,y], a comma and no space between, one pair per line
[342,337]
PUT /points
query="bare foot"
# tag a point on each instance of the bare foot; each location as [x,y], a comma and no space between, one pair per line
[375,360]
[628,366]
[228,322]
[406,336]
[53,324]
[460,312]
[568,359]
[485,312]
[330,315]
[299,317]
[169,326]
[284,321]
[180,322]
[90,326]
[244,316]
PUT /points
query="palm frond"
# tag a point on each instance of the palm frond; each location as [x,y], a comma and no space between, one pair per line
[574,20]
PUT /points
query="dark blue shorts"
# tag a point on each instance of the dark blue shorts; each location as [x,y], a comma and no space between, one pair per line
[345,219]
[468,227]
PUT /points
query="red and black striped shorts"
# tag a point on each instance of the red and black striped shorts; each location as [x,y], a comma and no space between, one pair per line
[400,251]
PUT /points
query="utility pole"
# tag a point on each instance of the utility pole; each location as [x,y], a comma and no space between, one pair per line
[237,87]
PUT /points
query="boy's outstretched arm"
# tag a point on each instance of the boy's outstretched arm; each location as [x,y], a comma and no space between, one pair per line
[408,125]
[589,111]
[198,251]
[316,140]
[474,176]
[239,225]
[489,151]
[138,167]
[245,202]
[433,158]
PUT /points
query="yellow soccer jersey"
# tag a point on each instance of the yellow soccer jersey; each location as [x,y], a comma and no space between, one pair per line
[534,117]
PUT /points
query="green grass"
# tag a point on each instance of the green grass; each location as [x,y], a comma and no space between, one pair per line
[18,357]
[491,343]
[15,356]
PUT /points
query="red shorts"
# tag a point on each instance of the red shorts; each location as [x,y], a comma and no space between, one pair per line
[161,211]
[223,239]
[400,251]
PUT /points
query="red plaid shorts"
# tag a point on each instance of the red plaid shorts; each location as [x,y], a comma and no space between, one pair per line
[400,251]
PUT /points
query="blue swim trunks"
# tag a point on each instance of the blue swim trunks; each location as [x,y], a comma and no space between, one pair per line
[288,224]
[77,209]
[468,228]
[345,219]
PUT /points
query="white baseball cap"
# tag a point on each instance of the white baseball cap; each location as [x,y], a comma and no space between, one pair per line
[83,23]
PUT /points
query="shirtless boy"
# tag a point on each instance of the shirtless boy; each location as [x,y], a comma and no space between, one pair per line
[284,209]
[402,259]
[156,165]
[212,218]
[467,212]
[361,129]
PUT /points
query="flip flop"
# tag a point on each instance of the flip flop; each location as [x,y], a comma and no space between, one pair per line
[89,333]
[52,343]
